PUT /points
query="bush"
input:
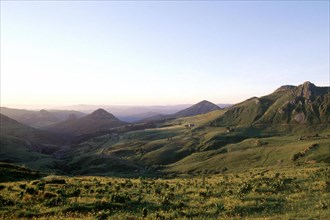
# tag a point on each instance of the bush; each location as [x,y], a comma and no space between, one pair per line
[119,198]
[73,193]
[49,195]
[41,186]
[54,201]
[144,212]
[102,215]
[56,181]
[31,191]
[6,202]
[22,186]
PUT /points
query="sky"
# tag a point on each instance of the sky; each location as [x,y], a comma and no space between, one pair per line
[159,52]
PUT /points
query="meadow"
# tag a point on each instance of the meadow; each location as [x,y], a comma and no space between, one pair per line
[300,192]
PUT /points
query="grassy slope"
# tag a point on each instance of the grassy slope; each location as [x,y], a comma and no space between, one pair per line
[19,151]
[172,148]
[11,172]
[137,151]
[281,193]
[255,152]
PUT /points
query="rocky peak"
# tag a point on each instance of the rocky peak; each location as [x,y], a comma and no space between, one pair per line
[306,90]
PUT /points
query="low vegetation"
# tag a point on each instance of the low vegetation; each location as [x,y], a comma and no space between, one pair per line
[287,193]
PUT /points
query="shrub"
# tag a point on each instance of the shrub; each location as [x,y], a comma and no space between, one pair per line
[6,202]
[158,191]
[54,201]
[49,195]
[297,156]
[102,215]
[31,191]
[56,181]
[119,198]
[73,193]
[322,205]
[22,186]
[144,212]
[41,186]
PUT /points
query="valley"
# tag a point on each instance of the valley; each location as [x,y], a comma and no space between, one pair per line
[262,158]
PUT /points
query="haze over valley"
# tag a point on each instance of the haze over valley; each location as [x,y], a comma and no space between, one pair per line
[165,110]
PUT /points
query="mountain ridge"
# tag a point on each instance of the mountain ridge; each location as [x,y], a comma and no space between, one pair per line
[302,104]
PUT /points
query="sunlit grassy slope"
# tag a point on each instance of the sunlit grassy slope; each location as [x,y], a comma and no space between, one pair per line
[280,193]
[173,149]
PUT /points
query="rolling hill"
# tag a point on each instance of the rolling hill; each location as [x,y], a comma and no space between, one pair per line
[199,108]
[12,128]
[99,120]
[21,144]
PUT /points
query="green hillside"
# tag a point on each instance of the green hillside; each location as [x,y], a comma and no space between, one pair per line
[10,172]
[289,127]
[304,104]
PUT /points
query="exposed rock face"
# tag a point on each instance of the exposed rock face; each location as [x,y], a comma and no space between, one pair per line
[306,90]
[300,117]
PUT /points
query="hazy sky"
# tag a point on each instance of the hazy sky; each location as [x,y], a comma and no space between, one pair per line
[113,52]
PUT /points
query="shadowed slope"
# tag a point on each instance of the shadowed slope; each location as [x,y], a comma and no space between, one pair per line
[99,120]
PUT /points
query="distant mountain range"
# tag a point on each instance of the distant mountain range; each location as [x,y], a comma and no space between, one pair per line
[134,114]
[47,117]
[39,119]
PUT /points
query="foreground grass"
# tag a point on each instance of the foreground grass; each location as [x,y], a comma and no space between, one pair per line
[287,193]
